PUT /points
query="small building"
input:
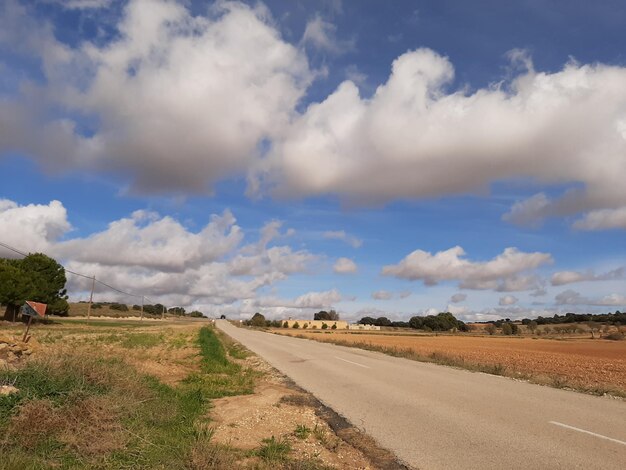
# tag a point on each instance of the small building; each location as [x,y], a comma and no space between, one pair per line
[317,324]
[357,326]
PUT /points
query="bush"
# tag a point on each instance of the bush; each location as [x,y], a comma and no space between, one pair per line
[616,336]
[334,327]
[257,320]
[119,307]
[296,325]
[507,329]
[324,326]
[285,325]
[305,326]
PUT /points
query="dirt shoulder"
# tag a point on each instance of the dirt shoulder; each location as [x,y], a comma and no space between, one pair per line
[280,409]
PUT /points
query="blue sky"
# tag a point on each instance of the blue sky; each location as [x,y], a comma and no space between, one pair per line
[380,158]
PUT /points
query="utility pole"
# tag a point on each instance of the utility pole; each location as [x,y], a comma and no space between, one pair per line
[93,285]
[142,297]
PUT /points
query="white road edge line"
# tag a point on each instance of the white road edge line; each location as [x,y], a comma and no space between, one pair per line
[587,432]
[355,363]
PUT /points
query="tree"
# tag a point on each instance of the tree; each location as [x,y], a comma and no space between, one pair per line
[196,314]
[507,329]
[532,326]
[367,321]
[285,325]
[296,325]
[37,277]
[321,315]
[382,321]
[15,288]
[180,311]
[333,315]
[324,326]
[491,329]
[257,320]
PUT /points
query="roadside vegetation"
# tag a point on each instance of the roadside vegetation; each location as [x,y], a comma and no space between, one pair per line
[112,396]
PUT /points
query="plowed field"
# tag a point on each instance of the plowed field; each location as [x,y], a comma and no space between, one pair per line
[586,363]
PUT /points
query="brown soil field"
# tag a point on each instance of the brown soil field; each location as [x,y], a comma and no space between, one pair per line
[593,365]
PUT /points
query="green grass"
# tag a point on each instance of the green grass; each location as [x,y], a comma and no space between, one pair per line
[302,432]
[142,340]
[219,377]
[274,450]
[78,404]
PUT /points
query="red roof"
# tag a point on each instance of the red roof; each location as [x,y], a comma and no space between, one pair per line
[38,307]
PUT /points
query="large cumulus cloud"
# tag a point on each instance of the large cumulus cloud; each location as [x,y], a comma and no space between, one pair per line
[176,102]
[415,138]
[156,256]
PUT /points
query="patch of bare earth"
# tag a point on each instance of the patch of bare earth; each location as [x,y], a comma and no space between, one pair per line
[278,408]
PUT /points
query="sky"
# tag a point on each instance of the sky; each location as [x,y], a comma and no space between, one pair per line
[378,158]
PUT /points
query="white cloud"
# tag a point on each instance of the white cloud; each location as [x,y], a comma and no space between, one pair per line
[32,228]
[508,300]
[459,297]
[415,138]
[179,101]
[302,306]
[602,219]
[382,295]
[322,35]
[351,240]
[345,266]
[568,277]
[404,294]
[503,273]
[148,240]
[571,297]
[158,257]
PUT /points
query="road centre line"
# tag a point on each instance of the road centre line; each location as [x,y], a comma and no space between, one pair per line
[355,363]
[587,432]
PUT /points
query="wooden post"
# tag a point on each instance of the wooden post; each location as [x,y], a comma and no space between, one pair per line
[93,285]
[30,319]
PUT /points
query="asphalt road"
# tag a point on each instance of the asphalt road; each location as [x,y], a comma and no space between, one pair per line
[435,417]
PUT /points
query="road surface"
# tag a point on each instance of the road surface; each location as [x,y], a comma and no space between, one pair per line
[435,417]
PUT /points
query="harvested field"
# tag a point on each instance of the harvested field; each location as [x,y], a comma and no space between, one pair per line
[593,365]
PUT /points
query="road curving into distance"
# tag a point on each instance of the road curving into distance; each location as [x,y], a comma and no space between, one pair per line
[435,417]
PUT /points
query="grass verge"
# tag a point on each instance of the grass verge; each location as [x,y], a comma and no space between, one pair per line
[78,410]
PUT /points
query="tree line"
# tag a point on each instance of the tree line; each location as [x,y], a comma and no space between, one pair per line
[444,321]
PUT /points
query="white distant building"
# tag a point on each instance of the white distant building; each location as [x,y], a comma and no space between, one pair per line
[357,326]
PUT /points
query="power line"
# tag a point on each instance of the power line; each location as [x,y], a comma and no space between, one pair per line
[15,250]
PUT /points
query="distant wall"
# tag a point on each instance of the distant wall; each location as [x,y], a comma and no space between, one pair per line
[363,327]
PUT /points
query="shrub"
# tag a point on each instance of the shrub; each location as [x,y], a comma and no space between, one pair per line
[616,336]
[324,326]
[296,325]
[507,329]
[305,326]
[119,307]
[334,327]
[285,325]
